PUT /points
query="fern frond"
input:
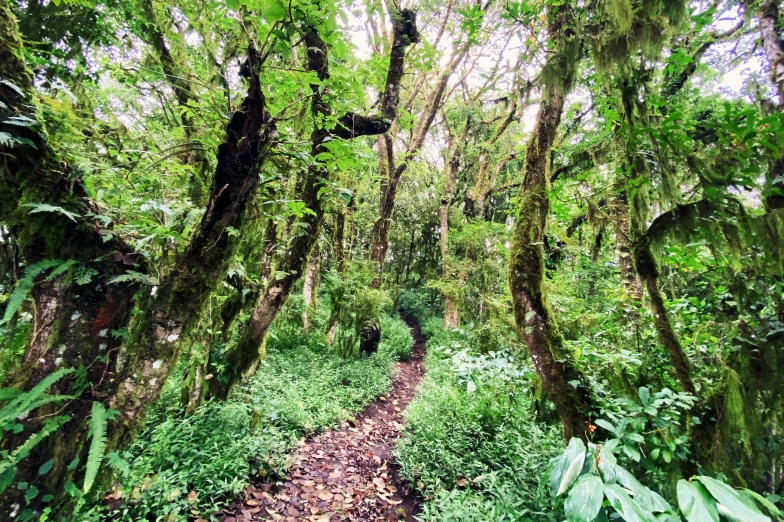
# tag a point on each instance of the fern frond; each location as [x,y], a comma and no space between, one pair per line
[193,217]
[17,297]
[45,207]
[97,446]
[24,450]
[60,269]
[26,284]
[6,394]
[135,277]
[23,402]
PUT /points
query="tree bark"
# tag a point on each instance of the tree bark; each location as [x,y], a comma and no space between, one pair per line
[451,312]
[772,44]
[310,287]
[533,314]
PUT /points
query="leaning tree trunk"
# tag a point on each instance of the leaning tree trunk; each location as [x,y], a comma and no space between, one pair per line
[243,358]
[78,320]
[645,264]
[533,314]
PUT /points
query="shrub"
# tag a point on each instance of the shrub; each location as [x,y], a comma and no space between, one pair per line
[396,339]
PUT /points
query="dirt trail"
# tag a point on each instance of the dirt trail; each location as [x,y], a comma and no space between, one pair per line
[347,473]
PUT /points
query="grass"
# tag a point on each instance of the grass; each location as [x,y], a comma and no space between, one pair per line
[187,467]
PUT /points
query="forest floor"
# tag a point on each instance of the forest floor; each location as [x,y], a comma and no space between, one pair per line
[347,473]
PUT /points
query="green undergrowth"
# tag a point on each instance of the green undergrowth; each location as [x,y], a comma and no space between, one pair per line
[186,467]
[472,447]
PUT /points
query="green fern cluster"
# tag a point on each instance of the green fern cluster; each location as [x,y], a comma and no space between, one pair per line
[26,284]
[19,404]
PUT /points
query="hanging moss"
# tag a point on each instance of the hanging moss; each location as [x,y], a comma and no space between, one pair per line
[629,27]
[622,15]
[734,415]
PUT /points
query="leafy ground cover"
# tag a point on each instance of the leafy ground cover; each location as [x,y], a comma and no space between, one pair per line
[185,467]
[472,447]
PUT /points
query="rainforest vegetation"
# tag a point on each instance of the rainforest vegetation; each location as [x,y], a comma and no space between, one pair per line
[215,217]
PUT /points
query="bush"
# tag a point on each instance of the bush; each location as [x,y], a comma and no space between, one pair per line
[416,303]
[396,339]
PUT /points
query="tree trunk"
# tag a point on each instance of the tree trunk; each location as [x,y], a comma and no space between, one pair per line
[391,174]
[451,313]
[309,289]
[243,358]
[619,213]
[532,311]
[645,263]
[78,320]
[772,44]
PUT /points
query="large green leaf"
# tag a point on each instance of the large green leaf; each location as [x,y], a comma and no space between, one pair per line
[648,499]
[585,499]
[567,467]
[767,504]
[626,506]
[696,503]
[730,503]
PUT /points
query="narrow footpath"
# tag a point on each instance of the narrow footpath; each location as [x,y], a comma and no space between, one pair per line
[347,473]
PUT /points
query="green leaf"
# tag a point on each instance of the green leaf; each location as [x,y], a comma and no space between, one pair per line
[695,502]
[30,494]
[626,506]
[767,504]
[631,452]
[43,207]
[585,499]
[607,426]
[730,502]
[97,446]
[274,12]
[6,477]
[45,467]
[567,467]
[645,395]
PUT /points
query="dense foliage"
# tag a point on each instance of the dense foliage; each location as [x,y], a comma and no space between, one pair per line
[210,214]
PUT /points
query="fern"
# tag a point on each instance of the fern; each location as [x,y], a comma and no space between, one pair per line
[97,446]
[44,207]
[8,464]
[192,217]
[26,284]
[135,277]
[25,402]
[60,270]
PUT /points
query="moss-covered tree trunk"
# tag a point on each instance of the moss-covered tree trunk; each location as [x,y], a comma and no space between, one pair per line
[310,287]
[74,323]
[645,264]
[244,357]
[619,214]
[451,312]
[772,44]
[533,315]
